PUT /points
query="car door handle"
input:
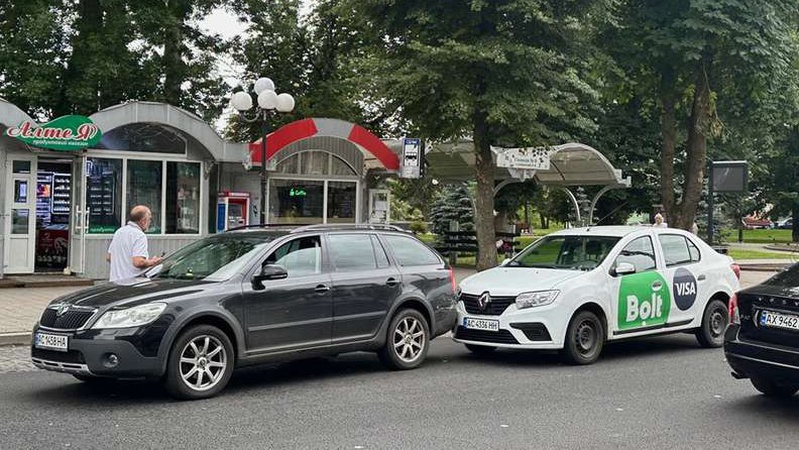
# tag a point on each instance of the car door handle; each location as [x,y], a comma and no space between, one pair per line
[701,277]
[392,282]
[321,289]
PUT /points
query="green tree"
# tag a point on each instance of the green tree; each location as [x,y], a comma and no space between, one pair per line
[501,72]
[454,204]
[696,55]
[33,48]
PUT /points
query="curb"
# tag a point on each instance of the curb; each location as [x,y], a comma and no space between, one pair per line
[15,339]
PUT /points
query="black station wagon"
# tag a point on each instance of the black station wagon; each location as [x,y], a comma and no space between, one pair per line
[254,296]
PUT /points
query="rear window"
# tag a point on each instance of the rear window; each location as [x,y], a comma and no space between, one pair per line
[410,252]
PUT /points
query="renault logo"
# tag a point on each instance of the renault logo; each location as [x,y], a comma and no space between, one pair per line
[484,301]
[61,310]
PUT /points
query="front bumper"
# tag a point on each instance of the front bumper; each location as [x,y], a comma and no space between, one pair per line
[89,353]
[541,328]
[753,359]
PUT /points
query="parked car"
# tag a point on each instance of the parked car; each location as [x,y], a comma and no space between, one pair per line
[762,341]
[248,297]
[786,224]
[575,289]
[752,223]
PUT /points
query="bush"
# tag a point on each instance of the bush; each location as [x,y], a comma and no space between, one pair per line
[418,227]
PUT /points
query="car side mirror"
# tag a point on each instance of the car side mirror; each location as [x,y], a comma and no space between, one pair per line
[623,268]
[269,272]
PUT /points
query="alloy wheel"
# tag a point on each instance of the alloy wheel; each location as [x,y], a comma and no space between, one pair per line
[409,339]
[203,362]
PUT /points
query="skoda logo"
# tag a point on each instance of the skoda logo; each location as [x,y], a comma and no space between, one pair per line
[61,310]
[483,301]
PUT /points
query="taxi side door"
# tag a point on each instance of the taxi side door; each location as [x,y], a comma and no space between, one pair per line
[686,277]
[641,300]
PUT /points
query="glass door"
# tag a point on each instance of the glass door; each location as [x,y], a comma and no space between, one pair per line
[20,241]
[80,217]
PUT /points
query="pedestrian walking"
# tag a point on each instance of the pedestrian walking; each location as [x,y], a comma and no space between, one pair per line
[128,253]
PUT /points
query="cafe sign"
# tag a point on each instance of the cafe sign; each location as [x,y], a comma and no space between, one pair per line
[67,133]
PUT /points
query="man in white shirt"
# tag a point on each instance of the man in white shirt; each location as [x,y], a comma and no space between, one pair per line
[128,252]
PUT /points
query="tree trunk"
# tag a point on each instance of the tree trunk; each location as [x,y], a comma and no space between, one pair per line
[698,128]
[484,205]
[80,90]
[668,130]
[174,67]
[795,218]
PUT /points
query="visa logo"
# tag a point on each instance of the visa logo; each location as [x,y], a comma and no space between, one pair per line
[686,288]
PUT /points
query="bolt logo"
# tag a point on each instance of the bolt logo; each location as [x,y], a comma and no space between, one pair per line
[644,300]
[684,289]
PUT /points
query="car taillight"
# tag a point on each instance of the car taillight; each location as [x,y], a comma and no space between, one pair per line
[452,280]
[736,269]
[735,317]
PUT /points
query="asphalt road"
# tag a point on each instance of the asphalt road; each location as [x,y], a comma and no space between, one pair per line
[663,392]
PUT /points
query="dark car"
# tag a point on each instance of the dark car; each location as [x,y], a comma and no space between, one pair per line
[249,297]
[762,341]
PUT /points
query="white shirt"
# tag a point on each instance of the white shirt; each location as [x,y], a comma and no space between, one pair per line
[128,242]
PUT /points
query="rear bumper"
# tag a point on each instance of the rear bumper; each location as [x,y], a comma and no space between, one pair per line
[760,360]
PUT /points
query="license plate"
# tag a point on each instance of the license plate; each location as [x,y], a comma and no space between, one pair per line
[777,320]
[480,324]
[51,341]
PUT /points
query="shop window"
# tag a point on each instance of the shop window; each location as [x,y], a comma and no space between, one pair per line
[104,194]
[296,201]
[315,163]
[144,188]
[182,198]
[341,200]
[289,165]
[339,167]
[143,137]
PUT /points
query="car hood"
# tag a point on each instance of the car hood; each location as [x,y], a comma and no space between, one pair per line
[132,292]
[511,281]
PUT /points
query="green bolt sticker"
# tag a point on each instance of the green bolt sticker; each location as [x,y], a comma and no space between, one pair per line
[644,300]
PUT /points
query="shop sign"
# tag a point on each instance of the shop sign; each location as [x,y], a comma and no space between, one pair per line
[67,133]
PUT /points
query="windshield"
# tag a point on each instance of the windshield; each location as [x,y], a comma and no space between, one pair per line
[565,252]
[212,259]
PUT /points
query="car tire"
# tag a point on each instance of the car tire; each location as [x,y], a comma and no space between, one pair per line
[584,339]
[407,342]
[714,322]
[772,389]
[480,349]
[200,363]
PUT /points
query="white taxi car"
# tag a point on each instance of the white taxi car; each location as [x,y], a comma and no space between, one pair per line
[575,289]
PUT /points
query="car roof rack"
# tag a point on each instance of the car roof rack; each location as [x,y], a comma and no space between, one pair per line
[267,226]
[349,226]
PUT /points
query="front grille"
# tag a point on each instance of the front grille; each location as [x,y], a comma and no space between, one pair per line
[497,306]
[70,320]
[495,337]
[534,331]
[70,357]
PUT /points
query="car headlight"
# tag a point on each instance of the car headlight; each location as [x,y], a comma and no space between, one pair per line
[537,298]
[130,317]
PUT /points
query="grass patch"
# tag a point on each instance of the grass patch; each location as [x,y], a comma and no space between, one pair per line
[759,236]
[743,254]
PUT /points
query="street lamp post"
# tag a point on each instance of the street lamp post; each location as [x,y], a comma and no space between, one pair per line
[268,102]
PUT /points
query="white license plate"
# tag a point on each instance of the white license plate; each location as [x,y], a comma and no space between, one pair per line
[51,341]
[777,320]
[480,324]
